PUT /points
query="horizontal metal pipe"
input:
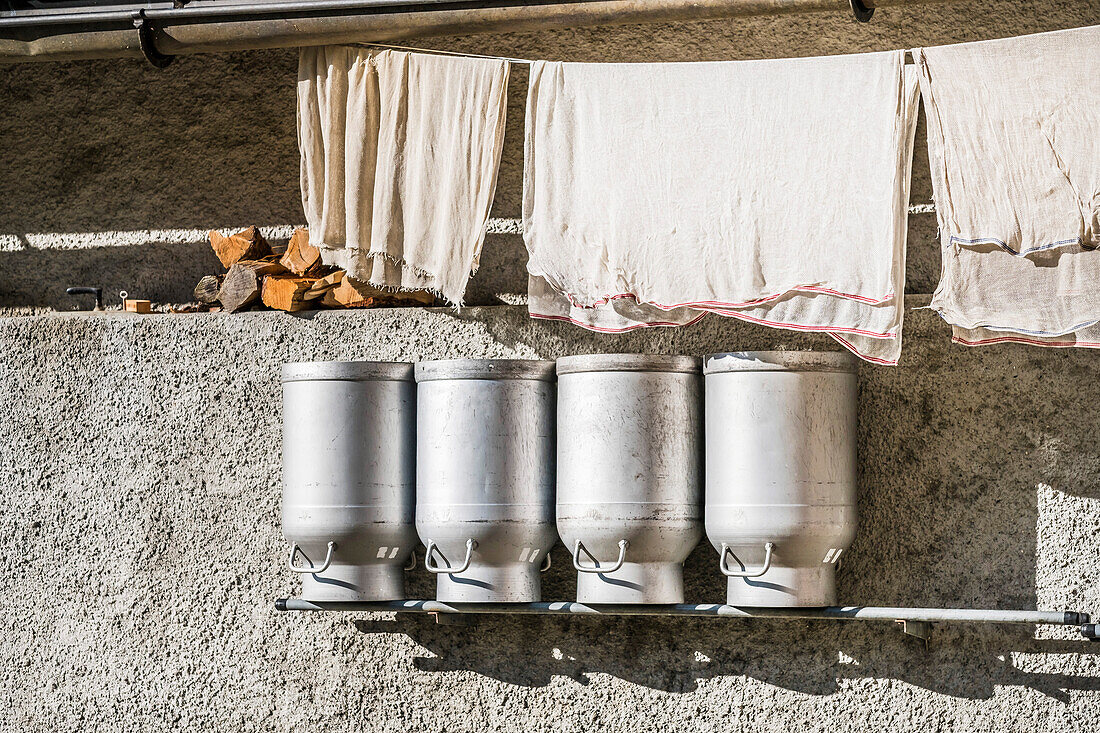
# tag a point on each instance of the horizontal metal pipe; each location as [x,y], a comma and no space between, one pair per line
[840,613]
[321,22]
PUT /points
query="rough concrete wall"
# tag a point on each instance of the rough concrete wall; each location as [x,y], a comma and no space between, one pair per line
[139,511]
[141,551]
[113,171]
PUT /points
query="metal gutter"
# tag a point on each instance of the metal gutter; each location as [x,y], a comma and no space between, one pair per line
[170,32]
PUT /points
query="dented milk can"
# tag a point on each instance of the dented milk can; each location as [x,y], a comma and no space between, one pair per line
[485,477]
[629,503]
[780,473]
[348,477]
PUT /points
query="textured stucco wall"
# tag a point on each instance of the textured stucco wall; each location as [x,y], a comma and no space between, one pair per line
[112,170]
[140,549]
[139,541]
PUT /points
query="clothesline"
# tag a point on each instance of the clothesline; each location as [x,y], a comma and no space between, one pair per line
[464,54]
[439,52]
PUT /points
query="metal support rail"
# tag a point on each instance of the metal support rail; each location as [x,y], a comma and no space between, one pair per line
[913,620]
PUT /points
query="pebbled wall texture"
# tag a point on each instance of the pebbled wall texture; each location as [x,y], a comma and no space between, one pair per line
[140,550]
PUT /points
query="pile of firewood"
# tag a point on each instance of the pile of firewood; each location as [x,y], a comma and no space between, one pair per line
[292,280]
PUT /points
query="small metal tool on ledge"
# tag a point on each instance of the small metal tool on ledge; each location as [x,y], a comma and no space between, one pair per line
[97,292]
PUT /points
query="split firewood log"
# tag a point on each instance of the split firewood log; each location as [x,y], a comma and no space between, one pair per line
[300,256]
[351,293]
[324,284]
[244,282]
[286,292]
[207,289]
[247,244]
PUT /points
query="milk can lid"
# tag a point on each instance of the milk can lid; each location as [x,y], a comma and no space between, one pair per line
[430,371]
[776,361]
[628,363]
[311,371]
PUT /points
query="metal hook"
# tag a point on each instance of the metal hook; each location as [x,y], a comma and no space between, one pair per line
[861,12]
[147,40]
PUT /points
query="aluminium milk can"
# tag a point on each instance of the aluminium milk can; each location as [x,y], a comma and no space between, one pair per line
[485,477]
[348,477]
[780,473]
[630,451]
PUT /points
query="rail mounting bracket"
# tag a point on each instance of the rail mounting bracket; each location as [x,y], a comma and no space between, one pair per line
[919,629]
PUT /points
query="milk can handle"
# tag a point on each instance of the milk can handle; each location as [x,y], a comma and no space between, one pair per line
[598,568]
[768,547]
[430,546]
[309,568]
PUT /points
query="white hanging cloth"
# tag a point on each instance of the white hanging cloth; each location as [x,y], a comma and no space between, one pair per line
[1014,146]
[775,192]
[400,153]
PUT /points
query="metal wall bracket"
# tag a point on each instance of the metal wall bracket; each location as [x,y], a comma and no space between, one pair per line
[919,629]
[452,619]
[147,40]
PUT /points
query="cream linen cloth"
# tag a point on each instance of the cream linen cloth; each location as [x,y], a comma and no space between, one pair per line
[400,153]
[771,191]
[1014,145]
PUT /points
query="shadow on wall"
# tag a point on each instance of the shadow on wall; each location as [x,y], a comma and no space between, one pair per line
[76,167]
[956,444]
[158,271]
[114,145]
[678,655]
[166,272]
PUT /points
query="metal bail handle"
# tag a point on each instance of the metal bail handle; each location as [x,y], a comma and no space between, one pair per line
[309,568]
[430,547]
[623,544]
[768,547]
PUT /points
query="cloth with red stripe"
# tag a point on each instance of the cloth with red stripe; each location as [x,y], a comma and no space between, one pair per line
[773,192]
[1014,147]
